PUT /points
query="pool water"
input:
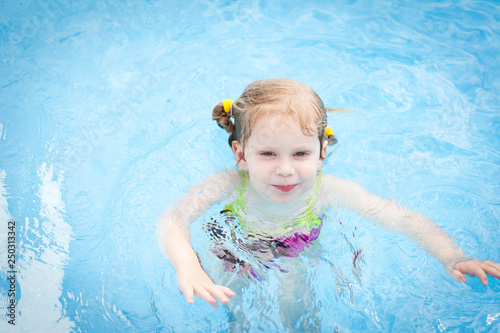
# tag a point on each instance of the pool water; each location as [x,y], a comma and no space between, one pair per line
[105,120]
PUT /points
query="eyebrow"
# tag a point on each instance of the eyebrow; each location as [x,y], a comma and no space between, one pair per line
[269,147]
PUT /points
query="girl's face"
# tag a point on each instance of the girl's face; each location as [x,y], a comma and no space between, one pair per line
[281,161]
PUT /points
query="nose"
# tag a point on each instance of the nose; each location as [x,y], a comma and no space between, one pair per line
[284,167]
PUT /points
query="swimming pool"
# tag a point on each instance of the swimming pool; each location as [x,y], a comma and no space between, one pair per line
[105,119]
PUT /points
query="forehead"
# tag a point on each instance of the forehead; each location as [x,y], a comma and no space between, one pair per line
[278,128]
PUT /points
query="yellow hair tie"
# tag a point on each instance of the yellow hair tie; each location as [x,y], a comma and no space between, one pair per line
[328,131]
[226,104]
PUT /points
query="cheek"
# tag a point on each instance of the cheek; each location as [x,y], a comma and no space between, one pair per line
[307,170]
[257,167]
[314,163]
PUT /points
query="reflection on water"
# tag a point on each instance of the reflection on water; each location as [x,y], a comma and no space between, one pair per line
[42,254]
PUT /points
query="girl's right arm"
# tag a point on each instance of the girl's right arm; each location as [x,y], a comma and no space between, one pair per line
[191,278]
[174,237]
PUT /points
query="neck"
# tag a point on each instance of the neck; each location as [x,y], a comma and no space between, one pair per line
[267,207]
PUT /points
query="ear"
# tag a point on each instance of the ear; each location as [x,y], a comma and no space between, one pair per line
[239,155]
[322,154]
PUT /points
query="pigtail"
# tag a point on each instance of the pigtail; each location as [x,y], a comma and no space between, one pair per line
[222,118]
[331,138]
[330,141]
[224,121]
[328,131]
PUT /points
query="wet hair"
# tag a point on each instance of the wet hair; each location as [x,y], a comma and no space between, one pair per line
[285,97]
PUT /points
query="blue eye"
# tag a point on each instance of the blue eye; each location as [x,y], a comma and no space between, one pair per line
[301,154]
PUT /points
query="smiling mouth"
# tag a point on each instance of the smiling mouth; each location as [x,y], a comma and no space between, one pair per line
[286,188]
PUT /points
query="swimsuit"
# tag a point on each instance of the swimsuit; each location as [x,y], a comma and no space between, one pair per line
[261,249]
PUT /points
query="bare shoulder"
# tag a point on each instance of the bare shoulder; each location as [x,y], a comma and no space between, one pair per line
[218,184]
[331,183]
[342,192]
[227,178]
[329,191]
[227,175]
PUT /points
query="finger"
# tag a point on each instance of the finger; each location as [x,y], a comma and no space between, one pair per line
[492,264]
[459,276]
[202,293]
[491,269]
[480,274]
[228,292]
[189,294]
[219,294]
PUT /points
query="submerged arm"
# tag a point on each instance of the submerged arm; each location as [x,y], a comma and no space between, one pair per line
[174,236]
[423,231]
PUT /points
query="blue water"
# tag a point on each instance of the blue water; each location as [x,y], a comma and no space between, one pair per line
[105,120]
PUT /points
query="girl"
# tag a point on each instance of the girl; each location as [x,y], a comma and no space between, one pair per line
[279,137]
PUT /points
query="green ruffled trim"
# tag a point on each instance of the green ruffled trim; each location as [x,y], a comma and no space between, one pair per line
[240,205]
[310,220]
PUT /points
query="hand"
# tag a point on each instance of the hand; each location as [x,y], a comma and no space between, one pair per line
[476,268]
[194,281]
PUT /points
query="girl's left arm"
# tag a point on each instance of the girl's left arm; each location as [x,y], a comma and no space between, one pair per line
[423,231]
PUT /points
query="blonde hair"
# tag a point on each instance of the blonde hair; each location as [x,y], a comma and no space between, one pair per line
[285,97]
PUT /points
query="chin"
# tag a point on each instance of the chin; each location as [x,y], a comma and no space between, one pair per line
[283,199]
